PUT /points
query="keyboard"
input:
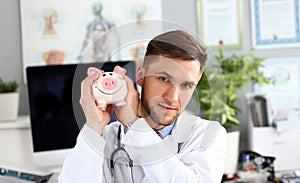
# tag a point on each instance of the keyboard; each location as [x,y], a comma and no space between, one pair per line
[53,178]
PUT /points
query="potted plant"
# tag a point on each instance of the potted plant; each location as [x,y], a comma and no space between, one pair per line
[9,100]
[217,94]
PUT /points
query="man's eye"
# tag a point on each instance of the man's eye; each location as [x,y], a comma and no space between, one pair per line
[164,78]
[187,86]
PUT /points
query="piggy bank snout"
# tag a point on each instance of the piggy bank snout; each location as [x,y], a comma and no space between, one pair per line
[109,83]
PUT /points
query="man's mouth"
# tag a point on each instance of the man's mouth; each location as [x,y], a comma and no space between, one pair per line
[167,108]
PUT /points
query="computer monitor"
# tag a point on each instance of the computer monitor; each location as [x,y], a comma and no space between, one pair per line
[55,113]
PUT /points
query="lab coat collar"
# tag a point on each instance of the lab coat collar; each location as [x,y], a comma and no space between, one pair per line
[184,126]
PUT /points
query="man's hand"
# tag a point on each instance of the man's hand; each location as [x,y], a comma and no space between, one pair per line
[129,111]
[95,118]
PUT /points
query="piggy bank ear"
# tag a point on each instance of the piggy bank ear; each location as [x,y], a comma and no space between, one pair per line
[119,70]
[92,71]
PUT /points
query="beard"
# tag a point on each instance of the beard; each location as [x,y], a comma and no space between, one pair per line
[157,115]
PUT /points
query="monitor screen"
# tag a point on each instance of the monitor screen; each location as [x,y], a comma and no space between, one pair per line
[54,92]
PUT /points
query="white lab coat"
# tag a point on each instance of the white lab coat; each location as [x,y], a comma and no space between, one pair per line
[194,152]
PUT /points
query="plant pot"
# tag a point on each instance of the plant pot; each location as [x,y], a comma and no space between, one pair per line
[9,106]
[232,153]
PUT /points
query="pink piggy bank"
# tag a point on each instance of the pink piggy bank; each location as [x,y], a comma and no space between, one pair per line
[109,88]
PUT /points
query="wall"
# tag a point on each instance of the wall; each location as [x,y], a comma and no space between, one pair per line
[10,48]
[179,11]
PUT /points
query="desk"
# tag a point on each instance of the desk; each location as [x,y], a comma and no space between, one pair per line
[16,147]
[255,177]
[252,177]
[283,145]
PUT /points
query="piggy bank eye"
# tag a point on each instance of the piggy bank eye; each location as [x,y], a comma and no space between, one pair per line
[103,75]
[110,74]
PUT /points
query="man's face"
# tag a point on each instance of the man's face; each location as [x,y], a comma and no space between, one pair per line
[167,87]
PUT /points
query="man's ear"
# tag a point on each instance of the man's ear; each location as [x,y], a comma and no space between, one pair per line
[140,75]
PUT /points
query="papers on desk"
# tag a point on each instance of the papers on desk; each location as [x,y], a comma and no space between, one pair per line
[291,122]
[253,176]
[10,179]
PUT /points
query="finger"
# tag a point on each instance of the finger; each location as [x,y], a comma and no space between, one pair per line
[86,87]
[89,80]
[87,83]
[129,82]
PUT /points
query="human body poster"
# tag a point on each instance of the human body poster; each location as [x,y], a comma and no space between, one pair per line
[58,32]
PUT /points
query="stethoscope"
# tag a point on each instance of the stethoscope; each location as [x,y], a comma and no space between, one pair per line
[119,148]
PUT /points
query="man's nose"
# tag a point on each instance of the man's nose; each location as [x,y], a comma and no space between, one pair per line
[171,94]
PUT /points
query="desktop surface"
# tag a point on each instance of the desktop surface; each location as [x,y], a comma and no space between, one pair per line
[16,148]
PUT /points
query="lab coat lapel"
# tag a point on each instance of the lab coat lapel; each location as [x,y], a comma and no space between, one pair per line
[184,127]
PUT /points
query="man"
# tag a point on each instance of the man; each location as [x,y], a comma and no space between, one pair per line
[154,140]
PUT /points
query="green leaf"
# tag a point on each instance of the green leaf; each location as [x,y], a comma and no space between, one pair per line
[232,119]
[224,119]
[237,71]
[7,87]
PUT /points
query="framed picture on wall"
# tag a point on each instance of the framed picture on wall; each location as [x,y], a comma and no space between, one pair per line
[275,23]
[219,22]
[284,87]
[61,32]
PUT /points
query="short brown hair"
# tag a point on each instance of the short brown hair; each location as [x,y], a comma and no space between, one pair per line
[176,44]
